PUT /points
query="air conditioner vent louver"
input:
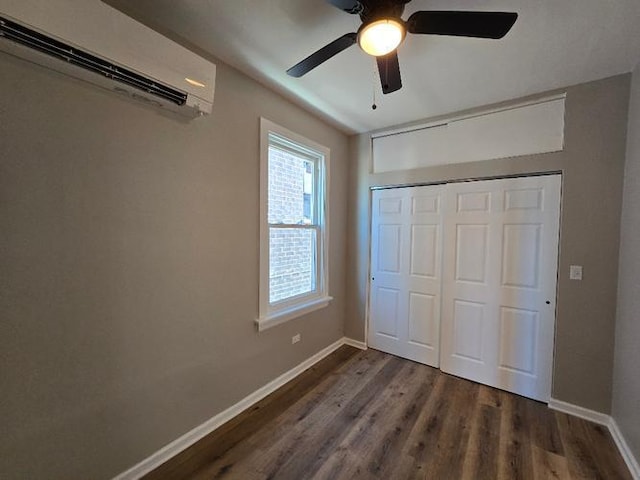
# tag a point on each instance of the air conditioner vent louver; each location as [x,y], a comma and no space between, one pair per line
[72,55]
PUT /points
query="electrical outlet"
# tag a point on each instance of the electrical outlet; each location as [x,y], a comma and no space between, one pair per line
[575,272]
[295,338]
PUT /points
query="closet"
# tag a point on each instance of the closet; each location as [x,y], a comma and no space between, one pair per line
[463,278]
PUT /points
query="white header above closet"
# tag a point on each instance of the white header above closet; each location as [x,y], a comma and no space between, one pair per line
[510,132]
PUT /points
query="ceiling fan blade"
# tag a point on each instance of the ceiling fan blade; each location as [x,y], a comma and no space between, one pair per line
[322,55]
[389,70]
[349,6]
[462,24]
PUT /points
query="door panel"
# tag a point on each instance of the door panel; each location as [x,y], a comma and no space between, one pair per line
[471,253]
[521,255]
[474,202]
[389,252]
[406,252]
[387,305]
[501,261]
[424,249]
[518,340]
[469,323]
[422,322]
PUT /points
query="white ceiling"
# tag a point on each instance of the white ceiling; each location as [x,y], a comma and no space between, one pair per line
[554,43]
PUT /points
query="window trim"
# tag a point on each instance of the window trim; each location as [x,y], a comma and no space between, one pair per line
[271,315]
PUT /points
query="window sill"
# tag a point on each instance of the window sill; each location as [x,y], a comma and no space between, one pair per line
[290,313]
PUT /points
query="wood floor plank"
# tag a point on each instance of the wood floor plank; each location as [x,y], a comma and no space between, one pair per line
[582,465]
[489,396]
[515,442]
[278,451]
[481,460]
[543,428]
[362,435]
[368,415]
[426,427]
[382,431]
[318,443]
[267,446]
[453,442]
[548,465]
[383,463]
[592,451]
[430,427]
[609,460]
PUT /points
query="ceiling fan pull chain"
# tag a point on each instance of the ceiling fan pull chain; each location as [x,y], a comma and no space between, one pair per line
[374,106]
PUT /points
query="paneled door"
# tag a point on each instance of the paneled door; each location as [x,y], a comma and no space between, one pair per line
[406,252]
[499,282]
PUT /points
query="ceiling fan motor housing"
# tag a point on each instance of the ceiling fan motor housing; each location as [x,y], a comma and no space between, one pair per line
[373,10]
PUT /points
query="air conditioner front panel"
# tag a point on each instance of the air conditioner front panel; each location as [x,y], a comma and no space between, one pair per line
[103,31]
[192,107]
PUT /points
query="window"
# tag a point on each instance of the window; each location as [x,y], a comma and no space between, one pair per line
[293,232]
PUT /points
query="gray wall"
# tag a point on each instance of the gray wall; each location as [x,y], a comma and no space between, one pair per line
[626,379]
[592,165]
[129,268]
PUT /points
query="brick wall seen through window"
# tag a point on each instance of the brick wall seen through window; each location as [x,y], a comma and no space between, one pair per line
[292,251]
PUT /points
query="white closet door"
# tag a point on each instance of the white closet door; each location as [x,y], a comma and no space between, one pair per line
[406,254]
[499,282]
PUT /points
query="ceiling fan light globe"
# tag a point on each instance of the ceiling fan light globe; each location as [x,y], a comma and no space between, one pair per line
[381,37]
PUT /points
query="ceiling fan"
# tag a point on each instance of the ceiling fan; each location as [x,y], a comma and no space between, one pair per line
[383,30]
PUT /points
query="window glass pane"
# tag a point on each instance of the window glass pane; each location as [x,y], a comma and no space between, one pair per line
[292,262]
[291,185]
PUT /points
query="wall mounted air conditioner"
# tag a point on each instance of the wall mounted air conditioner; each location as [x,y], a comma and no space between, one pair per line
[90,40]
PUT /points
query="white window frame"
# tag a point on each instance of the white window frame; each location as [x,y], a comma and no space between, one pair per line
[277,313]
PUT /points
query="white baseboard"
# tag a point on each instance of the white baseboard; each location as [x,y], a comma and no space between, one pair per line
[625,451]
[171,450]
[581,412]
[355,343]
[602,419]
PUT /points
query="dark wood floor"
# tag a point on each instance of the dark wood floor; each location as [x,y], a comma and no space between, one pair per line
[369,415]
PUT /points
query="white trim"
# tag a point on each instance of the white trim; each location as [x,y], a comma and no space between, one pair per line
[174,448]
[263,296]
[580,412]
[457,118]
[270,315]
[625,451]
[290,313]
[602,419]
[355,343]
